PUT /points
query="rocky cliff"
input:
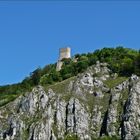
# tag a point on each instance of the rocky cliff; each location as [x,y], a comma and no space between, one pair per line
[94,104]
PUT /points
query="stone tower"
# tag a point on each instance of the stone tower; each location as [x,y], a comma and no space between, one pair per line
[63,53]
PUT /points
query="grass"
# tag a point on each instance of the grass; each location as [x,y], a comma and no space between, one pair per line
[60,87]
[71,137]
[114,82]
[108,138]
[6,98]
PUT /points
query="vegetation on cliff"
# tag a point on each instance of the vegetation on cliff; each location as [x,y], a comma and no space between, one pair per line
[122,61]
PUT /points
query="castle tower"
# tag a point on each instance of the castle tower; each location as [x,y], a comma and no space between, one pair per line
[63,53]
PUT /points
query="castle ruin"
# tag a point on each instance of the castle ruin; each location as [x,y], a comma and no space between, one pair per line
[63,53]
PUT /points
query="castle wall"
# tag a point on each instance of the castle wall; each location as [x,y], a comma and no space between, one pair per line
[59,65]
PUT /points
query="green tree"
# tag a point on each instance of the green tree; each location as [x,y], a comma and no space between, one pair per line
[82,65]
[127,67]
[35,76]
[137,65]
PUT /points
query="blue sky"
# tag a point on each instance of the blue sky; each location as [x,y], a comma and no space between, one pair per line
[32,32]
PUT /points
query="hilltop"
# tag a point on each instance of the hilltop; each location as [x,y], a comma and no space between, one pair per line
[93,96]
[122,61]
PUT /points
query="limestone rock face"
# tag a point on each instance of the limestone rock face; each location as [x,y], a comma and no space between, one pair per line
[97,120]
[131,117]
[92,80]
[77,120]
[85,108]
[113,109]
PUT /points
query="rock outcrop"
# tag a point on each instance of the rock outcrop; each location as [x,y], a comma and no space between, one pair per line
[86,108]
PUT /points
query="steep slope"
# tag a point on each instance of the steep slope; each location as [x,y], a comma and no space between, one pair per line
[91,105]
